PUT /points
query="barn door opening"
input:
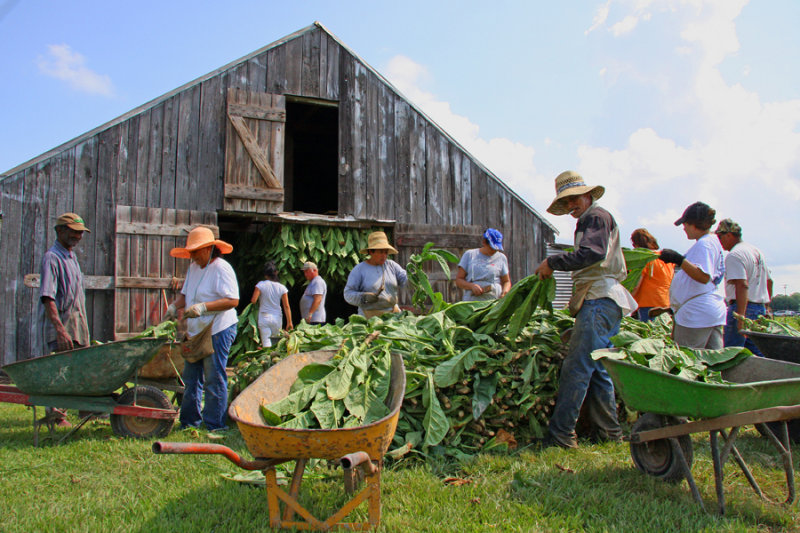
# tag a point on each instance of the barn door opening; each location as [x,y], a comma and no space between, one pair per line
[311,175]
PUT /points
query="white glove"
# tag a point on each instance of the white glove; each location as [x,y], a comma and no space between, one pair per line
[172,312]
[195,311]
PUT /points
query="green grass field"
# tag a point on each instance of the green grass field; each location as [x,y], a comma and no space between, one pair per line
[99,482]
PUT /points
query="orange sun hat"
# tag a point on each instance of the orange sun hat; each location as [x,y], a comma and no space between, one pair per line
[198,238]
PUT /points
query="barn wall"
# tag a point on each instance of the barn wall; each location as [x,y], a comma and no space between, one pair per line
[394,164]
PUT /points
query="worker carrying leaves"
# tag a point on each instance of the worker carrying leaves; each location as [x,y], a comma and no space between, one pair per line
[373,284]
[599,301]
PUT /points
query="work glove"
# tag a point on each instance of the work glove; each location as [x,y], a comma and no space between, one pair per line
[387,299]
[195,311]
[172,312]
[671,256]
[368,297]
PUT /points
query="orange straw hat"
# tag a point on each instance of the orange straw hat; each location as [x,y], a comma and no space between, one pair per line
[198,238]
[568,184]
[377,240]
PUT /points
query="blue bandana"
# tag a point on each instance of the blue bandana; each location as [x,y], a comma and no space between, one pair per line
[494,238]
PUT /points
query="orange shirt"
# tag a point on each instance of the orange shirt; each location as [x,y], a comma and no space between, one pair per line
[653,289]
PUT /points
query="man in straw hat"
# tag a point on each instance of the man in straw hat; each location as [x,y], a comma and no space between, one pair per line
[598,302]
[210,295]
[748,283]
[373,284]
[63,310]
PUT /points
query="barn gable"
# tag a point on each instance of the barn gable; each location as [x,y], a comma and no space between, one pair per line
[302,124]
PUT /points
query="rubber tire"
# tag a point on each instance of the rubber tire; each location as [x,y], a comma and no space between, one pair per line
[137,426]
[655,458]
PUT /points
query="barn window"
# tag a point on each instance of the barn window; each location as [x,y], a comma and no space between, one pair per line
[311,177]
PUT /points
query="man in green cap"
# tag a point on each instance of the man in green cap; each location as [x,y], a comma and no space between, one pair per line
[63,310]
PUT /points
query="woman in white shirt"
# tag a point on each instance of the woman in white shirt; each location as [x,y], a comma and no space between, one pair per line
[210,295]
[695,294]
[271,295]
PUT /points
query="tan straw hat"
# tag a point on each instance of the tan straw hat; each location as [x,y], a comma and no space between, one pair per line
[198,238]
[568,184]
[377,240]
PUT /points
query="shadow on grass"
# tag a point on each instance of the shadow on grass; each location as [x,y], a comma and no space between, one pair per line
[615,497]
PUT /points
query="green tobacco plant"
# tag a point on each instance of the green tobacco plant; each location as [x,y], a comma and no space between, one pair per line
[423,291]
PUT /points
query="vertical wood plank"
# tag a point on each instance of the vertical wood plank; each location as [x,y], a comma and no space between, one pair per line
[333,64]
[437,173]
[190,189]
[12,191]
[387,157]
[346,125]
[152,310]
[30,206]
[402,142]
[256,73]
[122,268]
[276,70]
[137,261]
[417,143]
[479,196]
[166,186]
[211,155]
[294,66]
[371,155]
[310,63]
[323,65]
[84,202]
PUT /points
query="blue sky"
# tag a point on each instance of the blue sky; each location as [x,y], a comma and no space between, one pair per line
[664,102]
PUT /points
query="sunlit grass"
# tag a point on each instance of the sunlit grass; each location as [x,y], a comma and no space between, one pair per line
[99,482]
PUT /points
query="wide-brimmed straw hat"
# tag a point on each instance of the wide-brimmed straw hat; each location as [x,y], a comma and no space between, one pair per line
[198,238]
[377,240]
[568,184]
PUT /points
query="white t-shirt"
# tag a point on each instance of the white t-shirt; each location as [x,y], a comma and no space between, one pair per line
[269,302]
[215,281]
[745,261]
[700,305]
[484,270]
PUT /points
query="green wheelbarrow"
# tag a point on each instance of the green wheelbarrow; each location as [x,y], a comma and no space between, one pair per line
[87,379]
[760,391]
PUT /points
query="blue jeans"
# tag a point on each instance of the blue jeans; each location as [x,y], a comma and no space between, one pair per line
[583,378]
[642,314]
[732,335]
[208,374]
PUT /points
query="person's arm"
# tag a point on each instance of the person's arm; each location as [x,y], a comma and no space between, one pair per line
[505,282]
[51,312]
[592,248]
[694,272]
[287,312]
[742,296]
[223,304]
[315,303]
[463,284]
[352,289]
[544,270]
[256,295]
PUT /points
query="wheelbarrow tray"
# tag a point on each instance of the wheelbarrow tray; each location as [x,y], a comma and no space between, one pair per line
[774,346]
[93,371]
[270,442]
[759,383]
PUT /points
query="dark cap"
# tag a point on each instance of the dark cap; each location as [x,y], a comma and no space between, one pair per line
[697,212]
[72,221]
[728,226]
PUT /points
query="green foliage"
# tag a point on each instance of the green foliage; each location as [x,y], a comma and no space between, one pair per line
[765,324]
[635,261]
[423,292]
[168,328]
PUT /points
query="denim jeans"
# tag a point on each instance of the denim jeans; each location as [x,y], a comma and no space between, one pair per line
[642,314]
[208,374]
[732,335]
[584,378]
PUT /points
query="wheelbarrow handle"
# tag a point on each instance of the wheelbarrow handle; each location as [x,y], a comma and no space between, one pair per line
[207,448]
[352,460]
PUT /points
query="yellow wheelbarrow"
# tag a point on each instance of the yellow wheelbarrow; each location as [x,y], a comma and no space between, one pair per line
[356,449]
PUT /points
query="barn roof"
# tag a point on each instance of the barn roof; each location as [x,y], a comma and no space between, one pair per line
[156,101]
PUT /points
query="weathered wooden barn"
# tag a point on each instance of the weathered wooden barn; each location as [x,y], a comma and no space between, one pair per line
[301,125]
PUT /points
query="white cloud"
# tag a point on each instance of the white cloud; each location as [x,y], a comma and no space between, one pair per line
[62,63]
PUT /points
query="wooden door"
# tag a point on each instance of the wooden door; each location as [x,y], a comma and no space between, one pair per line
[254,152]
[144,270]
[411,238]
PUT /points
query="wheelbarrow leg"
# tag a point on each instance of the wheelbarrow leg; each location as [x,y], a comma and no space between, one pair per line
[687,472]
[783,447]
[717,471]
[730,447]
[294,488]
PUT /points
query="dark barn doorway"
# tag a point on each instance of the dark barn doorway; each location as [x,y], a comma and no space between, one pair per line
[311,176]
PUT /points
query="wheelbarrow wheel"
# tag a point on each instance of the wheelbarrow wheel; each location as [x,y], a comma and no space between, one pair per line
[140,427]
[656,458]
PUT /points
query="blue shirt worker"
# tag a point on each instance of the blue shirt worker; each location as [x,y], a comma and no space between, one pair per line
[312,303]
[599,301]
[483,272]
[748,283]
